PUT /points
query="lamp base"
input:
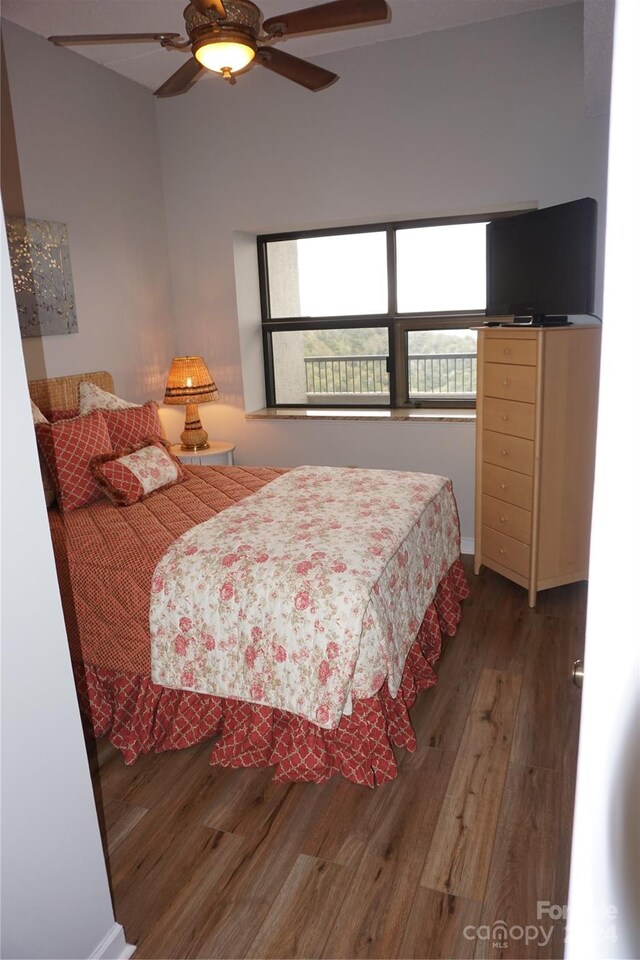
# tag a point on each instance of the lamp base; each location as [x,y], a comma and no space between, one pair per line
[193,448]
[194,437]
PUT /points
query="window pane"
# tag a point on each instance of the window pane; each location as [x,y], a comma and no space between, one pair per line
[330,276]
[442,364]
[331,366]
[442,268]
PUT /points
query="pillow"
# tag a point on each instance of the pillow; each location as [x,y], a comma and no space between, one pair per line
[37,414]
[47,482]
[62,413]
[93,397]
[67,447]
[52,416]
[136,472]
[134,425]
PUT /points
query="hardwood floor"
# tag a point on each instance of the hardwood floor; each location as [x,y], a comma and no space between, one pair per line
[449,860]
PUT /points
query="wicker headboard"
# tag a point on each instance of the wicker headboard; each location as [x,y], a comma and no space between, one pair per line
[61,393]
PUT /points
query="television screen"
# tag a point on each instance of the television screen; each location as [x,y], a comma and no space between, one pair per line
[543,263]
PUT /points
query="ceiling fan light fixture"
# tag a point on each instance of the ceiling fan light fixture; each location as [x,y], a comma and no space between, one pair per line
[228,36]
[228,55]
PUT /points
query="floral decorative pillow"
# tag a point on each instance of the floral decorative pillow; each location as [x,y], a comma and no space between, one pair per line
[133,425]
[37,414]
[130,475]
[93,397]
[67,448]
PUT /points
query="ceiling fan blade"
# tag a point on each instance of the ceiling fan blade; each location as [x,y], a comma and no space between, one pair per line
[182,80]
[113,38]
[293,68]
[327,16]
[203,7]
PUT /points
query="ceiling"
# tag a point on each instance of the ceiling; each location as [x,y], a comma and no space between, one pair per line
[150,65]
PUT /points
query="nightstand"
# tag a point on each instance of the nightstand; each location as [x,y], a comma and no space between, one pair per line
[219,451]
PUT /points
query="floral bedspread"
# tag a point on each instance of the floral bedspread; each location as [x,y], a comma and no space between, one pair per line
[307,594]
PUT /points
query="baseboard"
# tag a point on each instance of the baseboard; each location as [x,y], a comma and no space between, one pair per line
[113,946]
[467,545]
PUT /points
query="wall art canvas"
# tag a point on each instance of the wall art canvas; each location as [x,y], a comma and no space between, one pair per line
[41,267]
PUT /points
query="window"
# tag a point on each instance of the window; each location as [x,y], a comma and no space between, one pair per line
[442,268]
[330,366]
[378,315]
[299,269]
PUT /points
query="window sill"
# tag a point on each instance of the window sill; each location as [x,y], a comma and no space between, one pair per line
[402,414]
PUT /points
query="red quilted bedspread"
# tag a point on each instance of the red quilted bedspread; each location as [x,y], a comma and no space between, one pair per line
[106,557]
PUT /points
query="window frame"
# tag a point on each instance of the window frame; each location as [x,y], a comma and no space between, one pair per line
[398,324]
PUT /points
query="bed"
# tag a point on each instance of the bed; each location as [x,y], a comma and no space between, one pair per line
[106,558]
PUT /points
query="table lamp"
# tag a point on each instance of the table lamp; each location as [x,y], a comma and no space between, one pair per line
[189,382]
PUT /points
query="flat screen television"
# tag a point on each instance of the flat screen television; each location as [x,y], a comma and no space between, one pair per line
[541,265]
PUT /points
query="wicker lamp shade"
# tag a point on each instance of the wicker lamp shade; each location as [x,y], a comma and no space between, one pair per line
[190,383]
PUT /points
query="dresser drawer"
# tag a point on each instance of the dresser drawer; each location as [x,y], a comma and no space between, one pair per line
[506,551]
[514,453]
[507,518]
[502,350]
[506,485]
[510,382]
[509,416]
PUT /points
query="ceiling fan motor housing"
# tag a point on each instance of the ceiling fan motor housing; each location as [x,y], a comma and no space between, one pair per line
[243,17]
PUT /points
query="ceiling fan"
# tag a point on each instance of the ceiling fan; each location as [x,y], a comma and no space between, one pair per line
[228,37]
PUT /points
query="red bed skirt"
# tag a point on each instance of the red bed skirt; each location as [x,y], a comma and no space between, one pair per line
[139,716]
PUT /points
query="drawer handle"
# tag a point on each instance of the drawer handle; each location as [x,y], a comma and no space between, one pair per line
[506,351]
[503,519]
[504,453]
[504,486]
[505,382]
[502,551]
[505,417]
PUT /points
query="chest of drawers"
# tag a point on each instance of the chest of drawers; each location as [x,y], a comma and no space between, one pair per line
[535,452]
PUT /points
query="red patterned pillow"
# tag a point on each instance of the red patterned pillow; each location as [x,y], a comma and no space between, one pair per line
[47,482]
[67,447]
[136,472]
[135,425]
[54,416]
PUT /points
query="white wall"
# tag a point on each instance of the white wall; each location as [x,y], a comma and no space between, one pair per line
[604,895]
[470,119]
[88,156]
[55,895]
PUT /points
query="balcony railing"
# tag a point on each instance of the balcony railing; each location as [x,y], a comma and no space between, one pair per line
[436,373]
[361,374]
[429,374]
